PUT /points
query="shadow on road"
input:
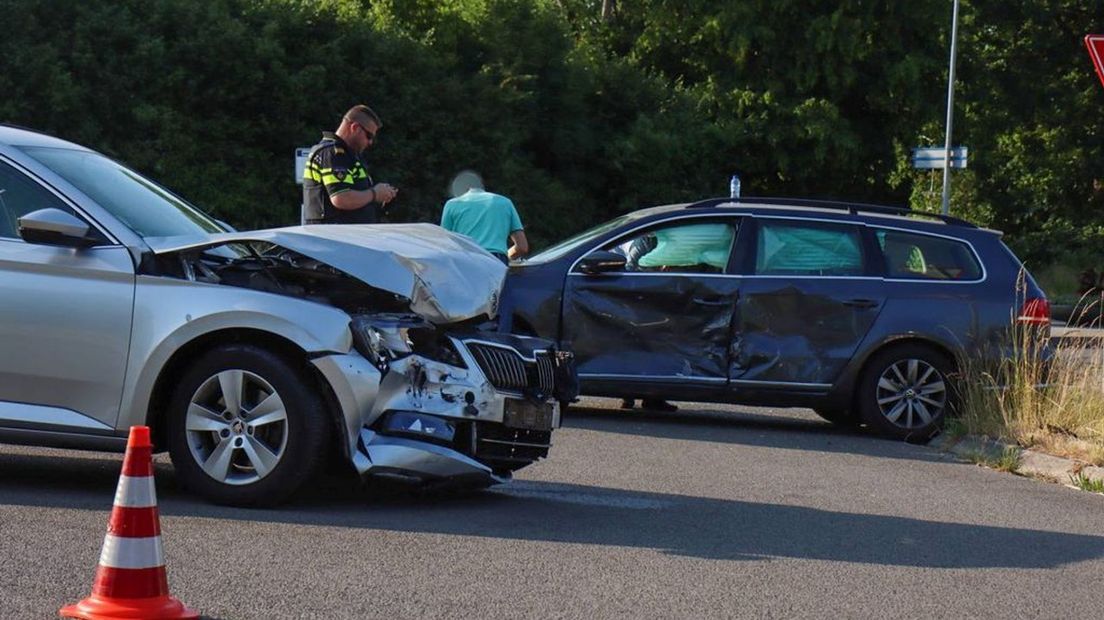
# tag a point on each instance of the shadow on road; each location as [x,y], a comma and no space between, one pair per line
[538,511]
[744,428]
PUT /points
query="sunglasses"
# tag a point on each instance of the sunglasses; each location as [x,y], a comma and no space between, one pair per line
[370,135]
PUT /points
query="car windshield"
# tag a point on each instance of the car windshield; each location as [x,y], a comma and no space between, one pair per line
[570,244]
[147,208]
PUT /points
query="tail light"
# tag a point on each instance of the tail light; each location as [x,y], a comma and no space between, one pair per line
[1035,311]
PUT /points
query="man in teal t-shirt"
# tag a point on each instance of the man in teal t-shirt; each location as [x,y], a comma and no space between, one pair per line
[488,218]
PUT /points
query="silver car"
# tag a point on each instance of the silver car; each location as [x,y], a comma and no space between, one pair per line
[254,356]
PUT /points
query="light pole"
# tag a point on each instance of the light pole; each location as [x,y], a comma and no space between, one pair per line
[950,114]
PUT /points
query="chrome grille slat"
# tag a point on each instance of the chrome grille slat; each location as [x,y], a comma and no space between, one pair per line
[506,369]
[519,370]
[503,369]
[546,372]
[496,366]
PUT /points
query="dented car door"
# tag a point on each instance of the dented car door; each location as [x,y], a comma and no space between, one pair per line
[665,315]
[797,326]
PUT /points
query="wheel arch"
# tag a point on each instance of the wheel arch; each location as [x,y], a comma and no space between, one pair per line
[845,393]
[911,340]
[163,386]
[874,417]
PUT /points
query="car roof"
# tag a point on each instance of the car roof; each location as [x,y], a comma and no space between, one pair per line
[13,135]
[801,206]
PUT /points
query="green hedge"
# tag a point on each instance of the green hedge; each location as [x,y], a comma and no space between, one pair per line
[576,118]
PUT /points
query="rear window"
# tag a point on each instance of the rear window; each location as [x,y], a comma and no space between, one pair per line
[923,257]
[806,249]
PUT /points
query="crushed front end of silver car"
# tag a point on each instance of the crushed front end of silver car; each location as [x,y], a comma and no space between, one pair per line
[424,389]
[451,405]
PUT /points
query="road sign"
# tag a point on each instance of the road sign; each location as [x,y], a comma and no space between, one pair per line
[300,163]
[928,158]
[1095,43]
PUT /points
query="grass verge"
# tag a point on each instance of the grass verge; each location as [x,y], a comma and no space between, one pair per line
[1008,460]
[1085,483]
[1051,403]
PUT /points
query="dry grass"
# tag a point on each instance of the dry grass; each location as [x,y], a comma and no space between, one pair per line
[1060,444]
[1059,411]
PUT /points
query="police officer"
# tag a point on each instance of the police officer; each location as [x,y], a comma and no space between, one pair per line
[336,185]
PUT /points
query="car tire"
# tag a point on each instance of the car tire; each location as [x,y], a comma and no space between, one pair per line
[905,392]
[256,447]
[839,417]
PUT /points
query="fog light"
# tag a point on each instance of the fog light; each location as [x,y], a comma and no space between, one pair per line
[419,425]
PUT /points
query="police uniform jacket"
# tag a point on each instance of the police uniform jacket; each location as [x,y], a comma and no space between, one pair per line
[332,168]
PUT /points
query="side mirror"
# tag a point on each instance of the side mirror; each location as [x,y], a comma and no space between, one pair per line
[601,261]
[55,227]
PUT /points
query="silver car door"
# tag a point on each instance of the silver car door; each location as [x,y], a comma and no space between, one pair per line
[65,321]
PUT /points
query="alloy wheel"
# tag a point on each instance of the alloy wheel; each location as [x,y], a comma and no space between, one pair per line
[236,427]
[911,393]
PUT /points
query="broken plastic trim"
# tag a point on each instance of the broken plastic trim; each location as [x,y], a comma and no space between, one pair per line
[419,426]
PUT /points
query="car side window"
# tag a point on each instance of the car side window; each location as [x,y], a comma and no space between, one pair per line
[924,257]
[808,249]
[20,195]
[694,247]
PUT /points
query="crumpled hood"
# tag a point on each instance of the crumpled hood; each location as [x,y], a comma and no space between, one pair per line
[446,277]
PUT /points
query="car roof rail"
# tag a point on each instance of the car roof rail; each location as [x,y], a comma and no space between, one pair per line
[852,207]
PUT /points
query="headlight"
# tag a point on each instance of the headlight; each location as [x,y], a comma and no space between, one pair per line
[419,425]
[385,337]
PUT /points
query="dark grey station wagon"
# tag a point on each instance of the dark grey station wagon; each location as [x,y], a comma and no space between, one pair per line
[858,311]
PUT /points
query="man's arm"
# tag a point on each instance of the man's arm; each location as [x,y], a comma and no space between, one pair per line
[521,245]
[351,199]
[517,234]
[446,217]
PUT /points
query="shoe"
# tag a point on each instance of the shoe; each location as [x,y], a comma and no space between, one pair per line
[628,403]
[658,404]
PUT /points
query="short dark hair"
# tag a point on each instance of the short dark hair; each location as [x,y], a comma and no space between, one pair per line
[361,114]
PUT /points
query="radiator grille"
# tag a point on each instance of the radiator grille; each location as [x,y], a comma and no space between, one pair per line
[507,370]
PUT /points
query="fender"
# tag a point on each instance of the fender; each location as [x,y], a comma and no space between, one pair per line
[169,314]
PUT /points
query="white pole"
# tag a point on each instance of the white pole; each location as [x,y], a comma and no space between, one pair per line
[950,114]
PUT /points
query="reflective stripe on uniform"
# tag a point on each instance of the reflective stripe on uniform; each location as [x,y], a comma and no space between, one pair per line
[310,173]
[326,176]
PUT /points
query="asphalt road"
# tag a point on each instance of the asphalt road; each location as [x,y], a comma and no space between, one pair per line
[709,512]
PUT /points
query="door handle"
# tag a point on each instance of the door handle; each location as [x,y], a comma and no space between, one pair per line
[712,301]
[861,303]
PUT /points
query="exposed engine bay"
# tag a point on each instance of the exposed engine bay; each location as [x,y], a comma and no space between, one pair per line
[272,269]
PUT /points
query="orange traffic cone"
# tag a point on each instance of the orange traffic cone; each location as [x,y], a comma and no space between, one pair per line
[130,579]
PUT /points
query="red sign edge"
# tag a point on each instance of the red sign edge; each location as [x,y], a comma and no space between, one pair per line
[1095,45]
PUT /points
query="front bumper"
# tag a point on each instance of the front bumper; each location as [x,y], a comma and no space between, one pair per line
[418,462]
[483,447]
